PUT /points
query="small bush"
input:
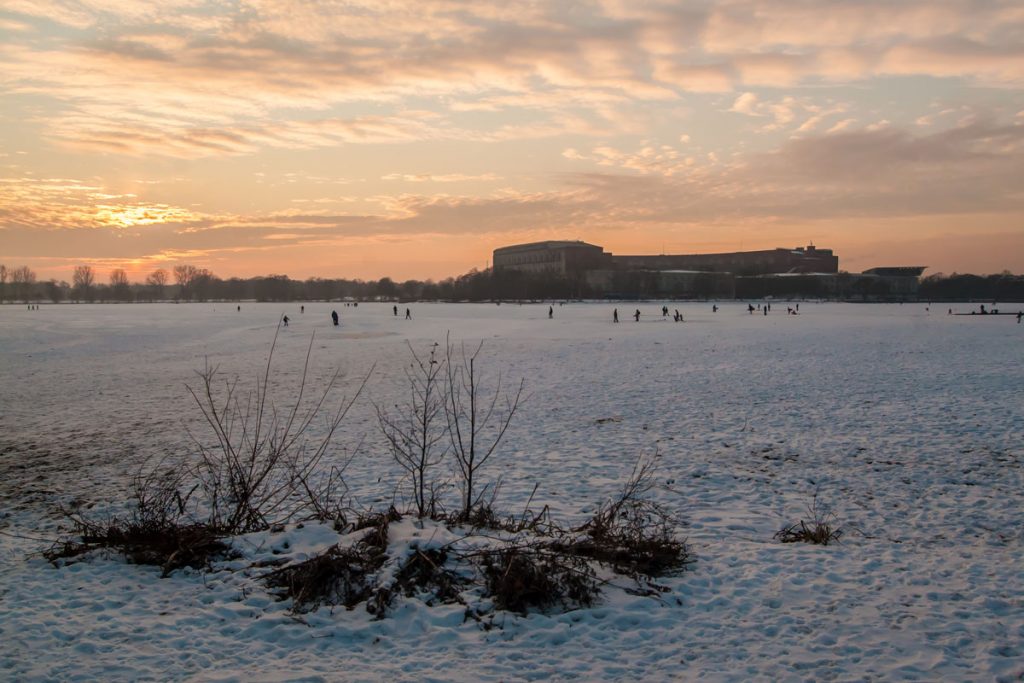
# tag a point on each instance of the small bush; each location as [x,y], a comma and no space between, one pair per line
[632,534]
[376,523]
[519,579]
[820,530]
[165,544]
[817,532]
[339,576]
[424,572]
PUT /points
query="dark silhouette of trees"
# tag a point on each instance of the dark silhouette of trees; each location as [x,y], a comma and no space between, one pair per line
[120,290]
[386,288]
[55,291]
[155,283]
[1003,286]
[83,280]
[199,284]
[273,288]
[23,280]
[184,276]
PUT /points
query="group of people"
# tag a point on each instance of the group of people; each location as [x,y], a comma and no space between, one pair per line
[334,314]
[678,317]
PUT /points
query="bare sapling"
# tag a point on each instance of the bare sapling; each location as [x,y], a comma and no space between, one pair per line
[414,432]
[257,473]
[476,422]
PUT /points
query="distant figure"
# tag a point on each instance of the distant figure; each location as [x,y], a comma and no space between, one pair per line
[750,309]
[285,321]
[395,310]
[765,310]
[551,312]
[408,314]
[334,317]
[679,316]
[664,311]
[302,309]
[949,312]
[798,308]
[615,316]
[1020,314]
[714,308]
[355,304]
[636,315]
[983,311]
[239,308]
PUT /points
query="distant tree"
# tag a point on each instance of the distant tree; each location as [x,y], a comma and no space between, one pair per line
[23,280]
[204,284]
[410,289]
[55,290]
[273,288]
[155,282]
[236,289]
[386,288]
[120,289]
[184,276]
[3,282]
[83,279]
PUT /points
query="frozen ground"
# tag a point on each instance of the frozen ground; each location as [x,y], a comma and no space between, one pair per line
[908,423]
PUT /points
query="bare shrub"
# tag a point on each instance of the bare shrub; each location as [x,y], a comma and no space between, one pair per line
[519,579]
[413,431]
[475,423]
[257,473]
[339,576]
[423,574]
[631,533]
[167,545]
[820,530]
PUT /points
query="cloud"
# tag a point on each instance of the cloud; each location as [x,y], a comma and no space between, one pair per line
[441,178]
[184,78]
[745,104]
[841,125]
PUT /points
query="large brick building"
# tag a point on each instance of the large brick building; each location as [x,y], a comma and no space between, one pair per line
[554,257]
[574,257]
[799,271]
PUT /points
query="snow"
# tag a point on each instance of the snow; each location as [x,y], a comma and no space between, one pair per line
[907,423]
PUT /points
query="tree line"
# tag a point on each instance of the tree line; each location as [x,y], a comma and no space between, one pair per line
[185,283]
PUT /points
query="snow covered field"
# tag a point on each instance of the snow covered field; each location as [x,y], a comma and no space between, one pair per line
[908,423]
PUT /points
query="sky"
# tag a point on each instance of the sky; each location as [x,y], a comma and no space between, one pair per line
[410,138]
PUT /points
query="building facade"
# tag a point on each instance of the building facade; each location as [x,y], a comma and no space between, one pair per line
[553,257]
[808,259]
[801,271]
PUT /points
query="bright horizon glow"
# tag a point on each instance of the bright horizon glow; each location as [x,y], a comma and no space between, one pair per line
[411,139]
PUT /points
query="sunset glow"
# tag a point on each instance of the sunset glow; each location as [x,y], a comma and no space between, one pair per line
[409,139]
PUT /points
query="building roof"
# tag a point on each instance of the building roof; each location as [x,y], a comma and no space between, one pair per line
[548,244]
